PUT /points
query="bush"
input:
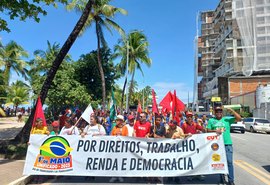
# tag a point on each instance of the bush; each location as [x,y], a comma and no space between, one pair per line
[245,114]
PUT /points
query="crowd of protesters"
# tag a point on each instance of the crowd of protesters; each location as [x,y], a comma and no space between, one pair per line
[135,124]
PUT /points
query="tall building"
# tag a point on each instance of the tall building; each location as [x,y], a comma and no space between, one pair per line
[224,50]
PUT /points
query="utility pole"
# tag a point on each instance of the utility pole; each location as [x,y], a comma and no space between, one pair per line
[188,101]
[127,75]
[195,89]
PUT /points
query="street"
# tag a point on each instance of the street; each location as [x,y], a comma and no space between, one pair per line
[251,164]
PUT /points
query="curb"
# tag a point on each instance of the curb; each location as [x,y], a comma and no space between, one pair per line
[22,181]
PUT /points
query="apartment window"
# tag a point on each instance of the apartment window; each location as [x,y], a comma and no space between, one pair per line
[260,10]
[260,1]
[239,43]
[261,30]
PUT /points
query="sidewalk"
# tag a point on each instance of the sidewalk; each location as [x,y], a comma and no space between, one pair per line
[9,128]
[11,170]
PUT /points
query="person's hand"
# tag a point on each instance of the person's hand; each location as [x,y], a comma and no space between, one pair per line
[82,134]
[229,110]
[219,131]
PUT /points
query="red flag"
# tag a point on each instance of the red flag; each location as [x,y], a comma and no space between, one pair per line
[166,102]
[177,107]
[154,103]
[39,113]
[139,108]
[175,110]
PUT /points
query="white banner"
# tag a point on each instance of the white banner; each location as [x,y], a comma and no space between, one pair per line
[125,156]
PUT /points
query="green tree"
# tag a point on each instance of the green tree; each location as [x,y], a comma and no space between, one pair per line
[101,15]
[134,94]
[144,94]
[24,9]
[18,93]
[65,91]
[87,73]
[12,58]
[136,47]
[3,92]
[41,64]
[23,136]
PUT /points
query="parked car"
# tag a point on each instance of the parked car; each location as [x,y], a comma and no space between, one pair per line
[238,126]
[257,124]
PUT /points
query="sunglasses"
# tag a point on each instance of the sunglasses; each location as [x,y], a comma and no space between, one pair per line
[219,111]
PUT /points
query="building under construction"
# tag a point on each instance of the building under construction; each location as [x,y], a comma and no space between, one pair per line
[233,50]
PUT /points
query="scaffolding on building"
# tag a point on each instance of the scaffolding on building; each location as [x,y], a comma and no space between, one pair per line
[253,20]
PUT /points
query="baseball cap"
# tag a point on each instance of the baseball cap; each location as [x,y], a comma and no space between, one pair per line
[173,122]
[130,117]
[120,117]
[189,113]
[55,124]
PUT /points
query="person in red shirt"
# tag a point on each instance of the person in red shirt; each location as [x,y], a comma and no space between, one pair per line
[142,127]
[190,127]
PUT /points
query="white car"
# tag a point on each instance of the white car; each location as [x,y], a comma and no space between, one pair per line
[238,126]
[257,124]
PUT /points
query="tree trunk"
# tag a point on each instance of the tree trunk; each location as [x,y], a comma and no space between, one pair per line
[23,136]
[101,69]
[131,86]
[123,95]
[7,75]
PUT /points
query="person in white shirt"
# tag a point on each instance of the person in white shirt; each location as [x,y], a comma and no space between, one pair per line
[130,124]
[69,129]
[94,129]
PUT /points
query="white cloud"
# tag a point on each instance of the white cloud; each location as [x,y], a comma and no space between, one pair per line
[182,90]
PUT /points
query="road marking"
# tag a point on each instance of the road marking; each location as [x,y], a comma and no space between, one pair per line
[239,138]
[262,176]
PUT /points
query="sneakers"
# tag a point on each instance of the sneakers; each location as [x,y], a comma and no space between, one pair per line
[231,183]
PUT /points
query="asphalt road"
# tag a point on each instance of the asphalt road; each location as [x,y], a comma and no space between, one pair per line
[251,164]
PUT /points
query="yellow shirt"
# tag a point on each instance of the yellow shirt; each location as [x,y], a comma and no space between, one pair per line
[42,130]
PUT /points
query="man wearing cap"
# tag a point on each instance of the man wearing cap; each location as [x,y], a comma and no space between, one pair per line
[142,127]
[120,129]
[221,125]
[190,127]
[130,125]
[173,131]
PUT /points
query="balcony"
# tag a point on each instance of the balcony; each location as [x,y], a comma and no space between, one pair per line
[210,93]
[223,70]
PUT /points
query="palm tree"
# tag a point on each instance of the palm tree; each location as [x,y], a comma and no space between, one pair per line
[18,93]
[138,52]
[11,58]
[23,136]
[100,15]
[42,62]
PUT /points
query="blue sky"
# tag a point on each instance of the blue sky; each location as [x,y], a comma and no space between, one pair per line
[170,27]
